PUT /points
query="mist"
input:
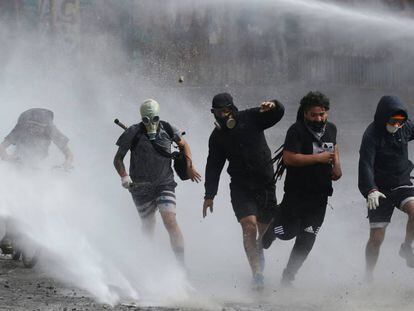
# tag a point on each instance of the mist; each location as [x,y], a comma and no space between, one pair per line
[84,221]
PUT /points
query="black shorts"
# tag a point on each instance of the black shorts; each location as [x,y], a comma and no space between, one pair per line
[381,216]
[301,212]
[253,202]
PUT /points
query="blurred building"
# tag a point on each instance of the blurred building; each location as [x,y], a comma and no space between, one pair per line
[212,45]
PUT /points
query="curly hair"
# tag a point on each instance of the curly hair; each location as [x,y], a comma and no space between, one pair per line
[312,99]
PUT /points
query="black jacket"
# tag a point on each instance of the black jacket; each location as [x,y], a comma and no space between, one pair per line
[383,160]
[245,148]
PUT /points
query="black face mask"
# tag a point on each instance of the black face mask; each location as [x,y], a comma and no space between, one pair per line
[316,126]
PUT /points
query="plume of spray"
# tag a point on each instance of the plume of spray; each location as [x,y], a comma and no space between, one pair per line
[88,225]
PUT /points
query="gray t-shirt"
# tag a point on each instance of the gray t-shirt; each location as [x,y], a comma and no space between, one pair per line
[32,140]
[146,164]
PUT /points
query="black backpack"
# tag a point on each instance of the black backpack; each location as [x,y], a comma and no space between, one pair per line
[179,158]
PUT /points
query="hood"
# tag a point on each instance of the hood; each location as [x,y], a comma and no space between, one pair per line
[387,107]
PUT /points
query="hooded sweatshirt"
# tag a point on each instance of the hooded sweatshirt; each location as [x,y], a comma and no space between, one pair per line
[383,161]
[245,148]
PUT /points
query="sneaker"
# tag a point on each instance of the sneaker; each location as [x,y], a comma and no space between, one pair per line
[406,252]
[269,235]
[258,282]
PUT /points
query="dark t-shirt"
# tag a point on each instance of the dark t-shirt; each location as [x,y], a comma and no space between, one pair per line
[312,179]
[32,140]
[147,165]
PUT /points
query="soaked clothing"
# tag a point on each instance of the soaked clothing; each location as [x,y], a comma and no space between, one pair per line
[396,198]
[33,135]
[249,157]
[149,170]
[164,202]
[383,161]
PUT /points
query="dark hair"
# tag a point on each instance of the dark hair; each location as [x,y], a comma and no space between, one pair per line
[312,99]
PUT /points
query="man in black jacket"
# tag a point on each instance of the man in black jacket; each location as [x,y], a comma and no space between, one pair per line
[311,157]
[239,138]
[384,176]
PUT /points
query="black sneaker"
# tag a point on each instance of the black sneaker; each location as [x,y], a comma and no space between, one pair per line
[269,235]
[406,252]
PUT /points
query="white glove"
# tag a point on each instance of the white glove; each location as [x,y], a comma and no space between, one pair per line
[126,181]
[373,199]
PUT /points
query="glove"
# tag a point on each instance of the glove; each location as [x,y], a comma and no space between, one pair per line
[373,199]
[126,181]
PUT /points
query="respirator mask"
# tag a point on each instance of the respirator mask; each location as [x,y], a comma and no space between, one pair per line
[224,118]
[150,110]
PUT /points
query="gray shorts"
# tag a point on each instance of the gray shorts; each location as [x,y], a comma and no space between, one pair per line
[164,202]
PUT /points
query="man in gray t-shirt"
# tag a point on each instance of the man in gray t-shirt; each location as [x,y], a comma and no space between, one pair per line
[151,178]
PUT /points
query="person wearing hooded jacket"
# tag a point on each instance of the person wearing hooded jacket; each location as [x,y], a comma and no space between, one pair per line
[239,138]
[384,176]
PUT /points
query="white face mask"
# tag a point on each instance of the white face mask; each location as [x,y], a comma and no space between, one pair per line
[150,117]
[392,129]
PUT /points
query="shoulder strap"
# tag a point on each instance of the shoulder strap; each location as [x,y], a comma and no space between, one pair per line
[157,148]
[168,129]
[137,137]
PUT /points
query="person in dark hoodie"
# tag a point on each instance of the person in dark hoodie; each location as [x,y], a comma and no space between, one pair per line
[311,157]
[384,176]
[239,138]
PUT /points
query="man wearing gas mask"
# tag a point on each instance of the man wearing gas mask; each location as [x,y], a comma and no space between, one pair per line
[239,138]
[384,177]
[311,158]
[151,178]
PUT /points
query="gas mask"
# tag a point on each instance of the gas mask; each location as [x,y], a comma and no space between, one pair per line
[225,122]
[150,110]
[316,126]
[223,119]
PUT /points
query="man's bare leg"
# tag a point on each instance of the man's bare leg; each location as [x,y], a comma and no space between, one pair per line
[176,236]
[406,250]
[148,225]
[372,250]
[249,228]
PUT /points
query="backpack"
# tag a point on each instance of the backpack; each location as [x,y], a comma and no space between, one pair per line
[180,160]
